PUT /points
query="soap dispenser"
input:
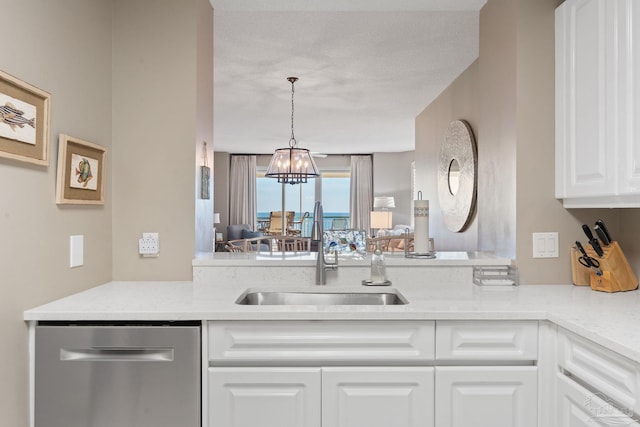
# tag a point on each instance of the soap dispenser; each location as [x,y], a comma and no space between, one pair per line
[378,270]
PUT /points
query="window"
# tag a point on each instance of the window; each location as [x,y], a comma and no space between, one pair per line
[333,188]
[336,188]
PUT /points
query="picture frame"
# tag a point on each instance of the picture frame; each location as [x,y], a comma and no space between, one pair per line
[81,172]
[25,113]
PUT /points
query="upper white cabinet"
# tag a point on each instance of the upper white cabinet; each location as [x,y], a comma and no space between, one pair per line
[597,100]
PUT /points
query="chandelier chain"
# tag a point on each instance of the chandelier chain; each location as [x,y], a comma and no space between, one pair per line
[292,141]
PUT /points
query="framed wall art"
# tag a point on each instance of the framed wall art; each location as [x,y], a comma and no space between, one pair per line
[24,121]
[81,172]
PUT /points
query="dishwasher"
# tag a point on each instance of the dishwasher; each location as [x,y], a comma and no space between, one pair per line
[108,374]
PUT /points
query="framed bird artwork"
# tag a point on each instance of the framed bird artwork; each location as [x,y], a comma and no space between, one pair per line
[81,172]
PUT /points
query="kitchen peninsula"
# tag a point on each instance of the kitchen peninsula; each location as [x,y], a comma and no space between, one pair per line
[453,338]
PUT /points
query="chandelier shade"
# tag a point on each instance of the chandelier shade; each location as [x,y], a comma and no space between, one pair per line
[292,165]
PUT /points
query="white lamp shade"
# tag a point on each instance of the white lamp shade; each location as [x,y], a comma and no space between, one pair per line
[387,202]
[216,218]
[381,219]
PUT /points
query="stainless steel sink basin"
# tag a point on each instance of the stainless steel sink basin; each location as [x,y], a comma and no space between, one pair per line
[321,298]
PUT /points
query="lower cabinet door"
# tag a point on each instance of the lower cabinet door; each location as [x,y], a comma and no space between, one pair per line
[377,397]
[579,407]
[264,397]
[486,396]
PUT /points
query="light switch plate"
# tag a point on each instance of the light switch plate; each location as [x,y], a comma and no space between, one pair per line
[545,245]
[76,251]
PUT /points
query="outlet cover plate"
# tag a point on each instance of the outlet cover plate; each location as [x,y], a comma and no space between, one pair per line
[149,245]
[76,251]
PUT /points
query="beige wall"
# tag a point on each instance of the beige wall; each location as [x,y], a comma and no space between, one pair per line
[514,126]
[156,132]
[497,128]
[392,177]
[458,101]
[136,77]
[68,55]
[537,208]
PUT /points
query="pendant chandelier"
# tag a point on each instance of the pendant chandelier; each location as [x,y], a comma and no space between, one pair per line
[292,165]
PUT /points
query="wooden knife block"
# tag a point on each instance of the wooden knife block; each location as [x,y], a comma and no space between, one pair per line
[616,276]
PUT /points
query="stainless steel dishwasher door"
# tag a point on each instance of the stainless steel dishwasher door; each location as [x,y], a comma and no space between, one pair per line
[113,375]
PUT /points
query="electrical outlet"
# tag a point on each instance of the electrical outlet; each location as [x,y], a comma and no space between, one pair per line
[149,245]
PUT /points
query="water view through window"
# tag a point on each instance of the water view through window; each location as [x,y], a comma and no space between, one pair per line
[333,188]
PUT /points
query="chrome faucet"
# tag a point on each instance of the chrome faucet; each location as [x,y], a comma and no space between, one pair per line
[317,235]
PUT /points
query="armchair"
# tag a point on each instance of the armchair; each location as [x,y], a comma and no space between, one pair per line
[239,234]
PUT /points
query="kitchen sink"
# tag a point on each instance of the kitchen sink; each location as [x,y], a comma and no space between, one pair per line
[320,298]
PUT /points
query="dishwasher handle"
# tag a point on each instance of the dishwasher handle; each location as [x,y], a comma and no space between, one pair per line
[117,354]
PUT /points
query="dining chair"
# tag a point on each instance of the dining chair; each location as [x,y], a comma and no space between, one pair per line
[293,244]
[297,226]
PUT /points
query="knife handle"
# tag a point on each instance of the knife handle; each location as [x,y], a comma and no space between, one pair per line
[602,235]
[587,231]
[596,247]
[600,223]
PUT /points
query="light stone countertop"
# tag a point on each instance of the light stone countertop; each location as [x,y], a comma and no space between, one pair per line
[610,320]
[304,259]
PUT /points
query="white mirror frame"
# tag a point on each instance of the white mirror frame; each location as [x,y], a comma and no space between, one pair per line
[460,145]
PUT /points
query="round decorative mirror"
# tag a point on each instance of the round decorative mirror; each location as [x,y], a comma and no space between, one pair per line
[457,176]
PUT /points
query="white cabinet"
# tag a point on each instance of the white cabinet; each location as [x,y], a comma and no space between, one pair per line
[604,370]
[484,393]
[579,407]
[330,342]
[486,396]
[372,373]
[320,373]
[315,397]
[266,397]
[377,397]
[597,103]
[595,385]
[483,340]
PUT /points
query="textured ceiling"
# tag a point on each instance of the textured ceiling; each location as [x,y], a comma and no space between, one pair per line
[366,69]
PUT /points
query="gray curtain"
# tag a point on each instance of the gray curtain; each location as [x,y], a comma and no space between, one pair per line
[242,191]
[361,192]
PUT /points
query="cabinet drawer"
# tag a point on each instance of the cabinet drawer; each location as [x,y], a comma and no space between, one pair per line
[487,340]
[320,342]
[608,372]
[580,407]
